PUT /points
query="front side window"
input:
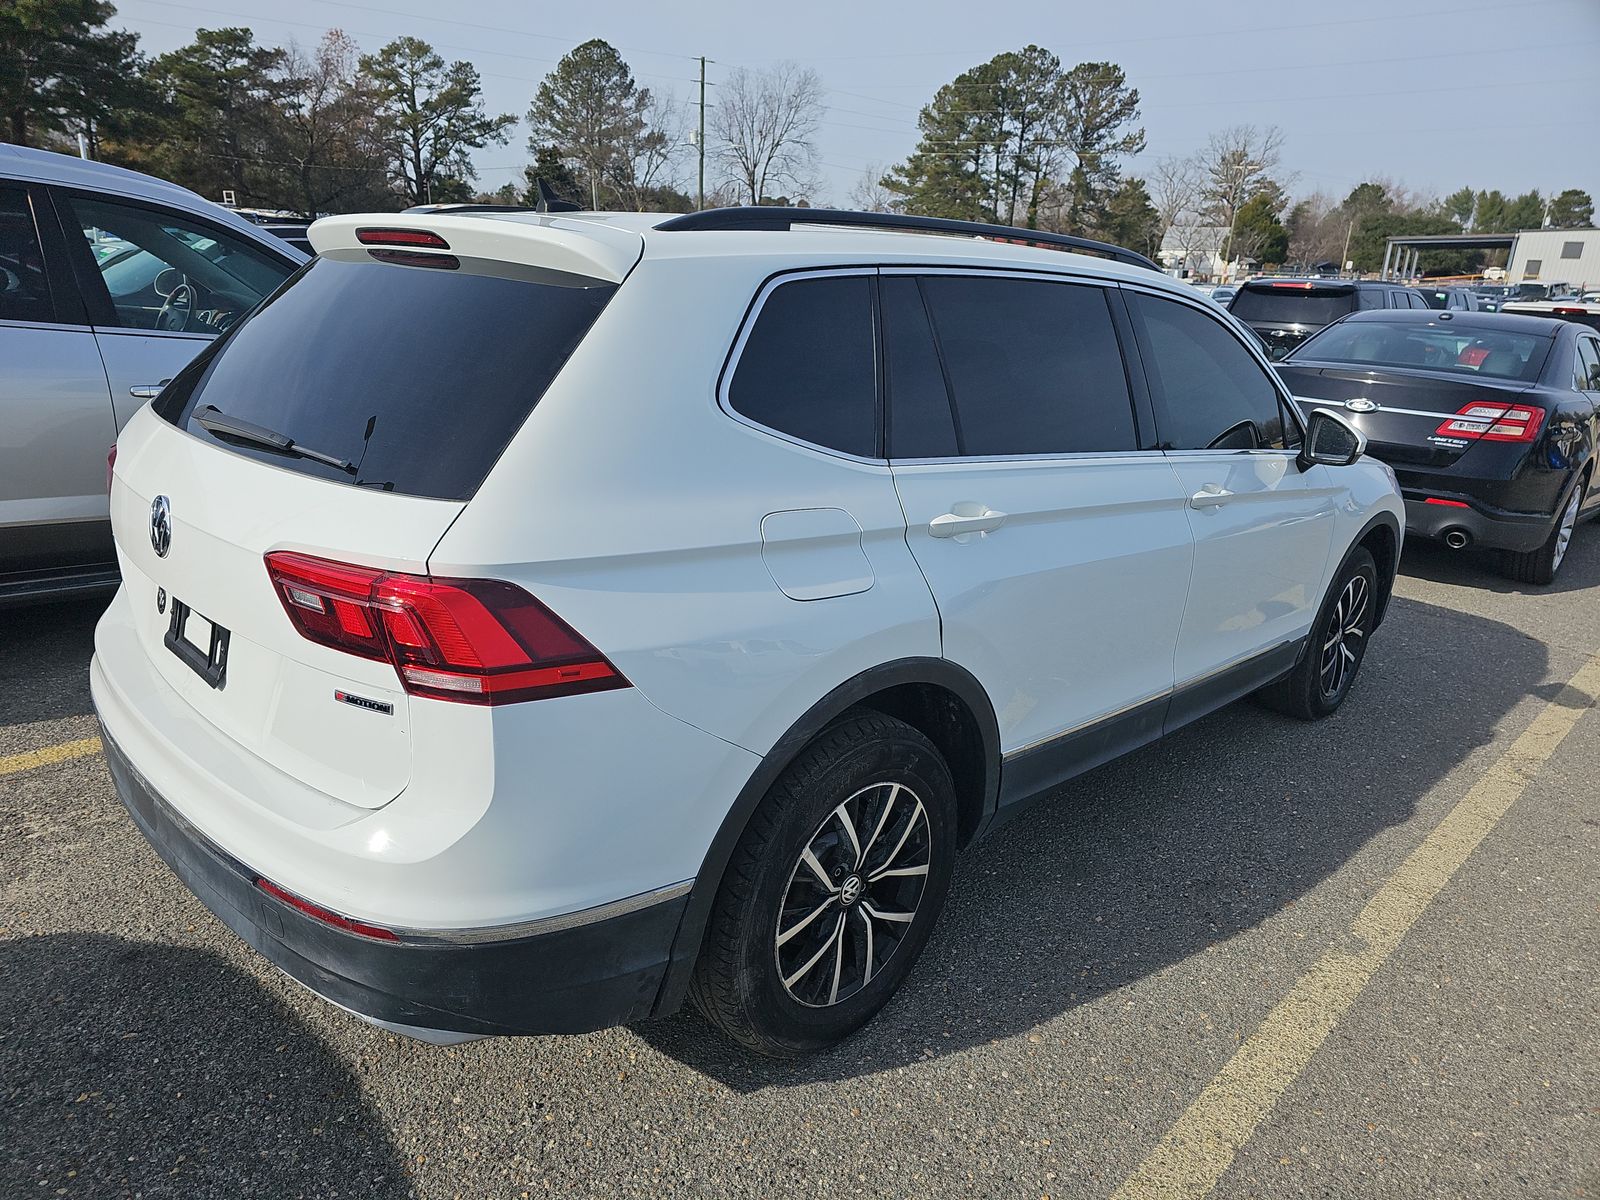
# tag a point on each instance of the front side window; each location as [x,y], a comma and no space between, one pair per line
[166,272]
[24,289]
[1210,393]
[808,369]
[1032,367]
[1588,365]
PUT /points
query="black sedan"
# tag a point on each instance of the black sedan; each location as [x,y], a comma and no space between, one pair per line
[1489,421]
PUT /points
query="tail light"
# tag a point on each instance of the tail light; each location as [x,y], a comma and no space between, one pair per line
[476,641]
[111,465]
[1494,423]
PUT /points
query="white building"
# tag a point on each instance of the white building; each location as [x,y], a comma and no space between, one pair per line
[1193,251]
[1557,256]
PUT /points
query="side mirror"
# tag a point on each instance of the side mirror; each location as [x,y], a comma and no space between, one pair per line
[1331,441]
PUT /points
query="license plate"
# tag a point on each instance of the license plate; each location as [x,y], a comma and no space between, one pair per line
[200,643]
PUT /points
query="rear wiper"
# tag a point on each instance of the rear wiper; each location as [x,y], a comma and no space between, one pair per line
[214,420]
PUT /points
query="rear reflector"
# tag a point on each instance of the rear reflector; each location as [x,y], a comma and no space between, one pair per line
[401,237]
[1446,503]
[1494,423]
[474,641]
[326,915]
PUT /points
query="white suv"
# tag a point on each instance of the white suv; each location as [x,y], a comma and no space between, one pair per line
[531,620]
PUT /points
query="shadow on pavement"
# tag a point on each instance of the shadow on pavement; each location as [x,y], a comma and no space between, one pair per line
[108,1092]
[1481,569]
[1151,859]
[44,660]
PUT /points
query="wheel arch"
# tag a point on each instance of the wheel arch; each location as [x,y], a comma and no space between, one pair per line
[1381,537]
[942,700]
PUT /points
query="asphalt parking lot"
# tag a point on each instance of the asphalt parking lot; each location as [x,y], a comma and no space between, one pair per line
[1260,957]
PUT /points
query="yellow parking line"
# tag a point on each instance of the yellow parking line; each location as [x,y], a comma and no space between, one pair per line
[12,763]
[1189,1160]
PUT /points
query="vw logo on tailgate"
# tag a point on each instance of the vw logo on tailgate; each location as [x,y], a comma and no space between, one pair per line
[161,525]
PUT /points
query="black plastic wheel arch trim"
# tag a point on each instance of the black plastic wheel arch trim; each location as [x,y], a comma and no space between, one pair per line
[859,690]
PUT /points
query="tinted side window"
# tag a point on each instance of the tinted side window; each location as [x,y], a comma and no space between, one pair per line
[1034,367]
[1210,393]
[24,290]
[807,367]
[1372,297]
[921,422]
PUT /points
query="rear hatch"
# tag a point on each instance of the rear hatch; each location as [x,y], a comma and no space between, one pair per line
[1287,311]
[399,374]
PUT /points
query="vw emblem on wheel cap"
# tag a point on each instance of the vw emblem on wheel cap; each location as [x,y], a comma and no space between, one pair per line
[1361,405]
[161,525]
[851,891]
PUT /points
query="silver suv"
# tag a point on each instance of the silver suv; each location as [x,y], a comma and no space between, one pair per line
[110,282]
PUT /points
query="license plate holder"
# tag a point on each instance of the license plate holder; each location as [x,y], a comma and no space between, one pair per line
[202,646]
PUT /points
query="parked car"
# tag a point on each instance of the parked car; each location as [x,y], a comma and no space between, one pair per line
[1287,311]
[1453,299]
[1582,312]
[110,281]
[1222,294]
[765,571]
[1489,420]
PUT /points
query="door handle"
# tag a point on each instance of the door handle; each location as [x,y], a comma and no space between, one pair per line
[1210,496]
[147,391]
[955,524]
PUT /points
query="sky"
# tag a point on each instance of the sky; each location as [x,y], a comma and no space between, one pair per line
[1432,94]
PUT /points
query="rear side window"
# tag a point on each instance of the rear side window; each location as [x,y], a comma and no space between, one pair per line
[419,376]
[24,290]
[1033,367]
[1293,303]
[1210,393]
[807,367]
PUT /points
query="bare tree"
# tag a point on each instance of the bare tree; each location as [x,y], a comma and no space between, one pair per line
[870,195]
[765,122]
[1238,164]
[1174,186]
[326,136]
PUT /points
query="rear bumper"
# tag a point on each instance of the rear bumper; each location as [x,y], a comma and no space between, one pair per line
[1488,528]
[570,974]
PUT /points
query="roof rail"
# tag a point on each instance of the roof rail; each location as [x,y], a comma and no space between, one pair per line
[774,217]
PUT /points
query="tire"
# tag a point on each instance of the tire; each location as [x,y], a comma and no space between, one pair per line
[868,781]
[1539,566]
[1337,645]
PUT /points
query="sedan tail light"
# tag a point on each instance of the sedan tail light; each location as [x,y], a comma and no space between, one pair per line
[475,641]
[1494,423]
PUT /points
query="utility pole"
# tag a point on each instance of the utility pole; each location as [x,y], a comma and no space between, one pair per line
[1345,257]
[700,142]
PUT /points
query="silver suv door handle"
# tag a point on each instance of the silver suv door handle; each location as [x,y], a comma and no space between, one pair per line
[147,391]
[1211,495]
[953,525]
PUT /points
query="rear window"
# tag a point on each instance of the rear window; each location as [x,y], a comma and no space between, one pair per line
[418,376]
[1496,354]
[1293,304]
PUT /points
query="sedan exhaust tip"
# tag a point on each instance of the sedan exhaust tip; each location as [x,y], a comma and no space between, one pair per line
[1457,539]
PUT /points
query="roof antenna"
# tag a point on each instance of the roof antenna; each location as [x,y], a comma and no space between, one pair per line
[549,202]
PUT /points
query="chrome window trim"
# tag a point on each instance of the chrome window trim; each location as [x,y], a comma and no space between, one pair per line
[70,327]
[131,331]
[1066,459]
[730,364]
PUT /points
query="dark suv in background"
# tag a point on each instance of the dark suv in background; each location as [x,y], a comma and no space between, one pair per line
[1285,312]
